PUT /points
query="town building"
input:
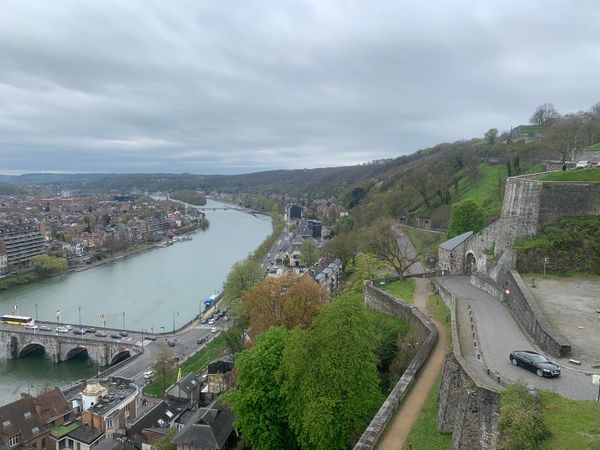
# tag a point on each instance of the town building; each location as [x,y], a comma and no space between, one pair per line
[21,243]
[209,428]
[451,255]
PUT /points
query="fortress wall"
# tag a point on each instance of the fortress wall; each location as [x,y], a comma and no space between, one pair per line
[558,200]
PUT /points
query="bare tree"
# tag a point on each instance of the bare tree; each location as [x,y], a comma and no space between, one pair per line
[544,114]
[383,241]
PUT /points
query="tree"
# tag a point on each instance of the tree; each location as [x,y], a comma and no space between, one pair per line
[544,114]
[242,275]
[330,376]
[309,253]
[491,135]
[388,244]
[466,215]
[288,301]
[48,265]
[164,442]
[259,405]
[164,362]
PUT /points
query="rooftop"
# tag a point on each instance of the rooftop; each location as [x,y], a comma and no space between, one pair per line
[63,430]
[451,244]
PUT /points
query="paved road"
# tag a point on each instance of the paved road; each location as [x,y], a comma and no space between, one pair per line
[406,246]
[499,334]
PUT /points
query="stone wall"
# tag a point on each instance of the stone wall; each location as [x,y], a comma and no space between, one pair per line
[426,334]
[468,411]
[528,313]
[560,200]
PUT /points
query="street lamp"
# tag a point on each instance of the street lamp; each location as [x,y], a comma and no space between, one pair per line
[36,316]
[123,320]
[174,312]
[79,310]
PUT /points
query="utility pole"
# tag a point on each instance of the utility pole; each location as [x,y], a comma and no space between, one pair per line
[123,320]
[36,316]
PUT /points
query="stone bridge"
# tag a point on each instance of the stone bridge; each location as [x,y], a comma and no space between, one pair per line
[62,347]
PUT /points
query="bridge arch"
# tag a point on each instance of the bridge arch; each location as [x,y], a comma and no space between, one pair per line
[33,347]
[74,352]
[470,262]
[120,356]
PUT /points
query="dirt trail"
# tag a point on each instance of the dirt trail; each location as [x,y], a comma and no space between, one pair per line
[400,425]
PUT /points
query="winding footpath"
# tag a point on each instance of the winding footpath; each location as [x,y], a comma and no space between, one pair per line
[399,427]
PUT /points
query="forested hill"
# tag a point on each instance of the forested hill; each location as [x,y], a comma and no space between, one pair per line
[424,183]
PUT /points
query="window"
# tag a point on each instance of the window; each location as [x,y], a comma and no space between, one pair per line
[109,423]
[27,414]
[44,443]
[35,430]
[14,440]
[6,423]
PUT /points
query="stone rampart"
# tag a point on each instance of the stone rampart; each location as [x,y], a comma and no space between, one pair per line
[468,402]
[528,313]
[426,334]
[560,200]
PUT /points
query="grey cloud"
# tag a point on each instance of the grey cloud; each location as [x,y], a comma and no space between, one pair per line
[229,87]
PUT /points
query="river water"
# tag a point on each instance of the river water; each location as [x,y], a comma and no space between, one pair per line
[151,289]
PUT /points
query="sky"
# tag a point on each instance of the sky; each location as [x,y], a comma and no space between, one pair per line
[242,86]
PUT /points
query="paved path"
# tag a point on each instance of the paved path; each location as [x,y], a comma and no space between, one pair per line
[499,334]
[406,246]
[399,427]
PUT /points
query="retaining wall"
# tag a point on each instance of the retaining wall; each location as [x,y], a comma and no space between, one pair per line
[528,313]
[426,334]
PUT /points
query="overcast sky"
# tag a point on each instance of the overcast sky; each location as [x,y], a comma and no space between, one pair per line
[245,85]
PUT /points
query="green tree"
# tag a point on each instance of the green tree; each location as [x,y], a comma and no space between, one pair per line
[491,135]
[48,265]
[330,376]
[466,215]
[309,253]
[164,363]
[259,406]
[242,275]
[164,442]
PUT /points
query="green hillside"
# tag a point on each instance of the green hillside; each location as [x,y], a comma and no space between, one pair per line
[590,174]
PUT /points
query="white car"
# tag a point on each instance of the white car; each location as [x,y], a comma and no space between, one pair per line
[62,329]
[149,374]
[582,164]
[31,326]
[213,330]
[211,322]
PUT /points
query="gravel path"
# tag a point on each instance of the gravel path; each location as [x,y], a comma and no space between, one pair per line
[399,427]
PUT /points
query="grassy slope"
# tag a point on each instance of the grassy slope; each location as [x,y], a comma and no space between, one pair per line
[403,289]
[573,424]
[590,174]
[595,146]
[426,242]
[438,309]
[486,189]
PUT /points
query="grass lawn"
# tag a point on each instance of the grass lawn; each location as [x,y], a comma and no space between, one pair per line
[595,146]
[402,289]
[438,309]
[531,242]
[487,189]
[589,174]
[572,423]
[424,433]
[196,363]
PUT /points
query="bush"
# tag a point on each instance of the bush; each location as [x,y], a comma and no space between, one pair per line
[521,422]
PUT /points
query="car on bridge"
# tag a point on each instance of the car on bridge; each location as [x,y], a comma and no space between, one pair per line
[45,328]
[535,362]
[62,330]
[115,336]
[100,333]
[79,331]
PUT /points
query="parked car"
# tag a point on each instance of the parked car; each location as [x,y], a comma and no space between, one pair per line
[123,333]
[100,333]
[535,362]
[149,374]
[204,321]
[62,329]
[225,319]
[115,336]
[211,322]
[45,328]
[582,164]
[201,340]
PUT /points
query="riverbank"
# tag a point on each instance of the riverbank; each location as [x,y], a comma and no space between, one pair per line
[32,276]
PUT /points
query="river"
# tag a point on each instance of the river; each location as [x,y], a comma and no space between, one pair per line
[147,290]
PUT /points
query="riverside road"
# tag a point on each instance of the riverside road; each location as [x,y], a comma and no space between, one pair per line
[499,334]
